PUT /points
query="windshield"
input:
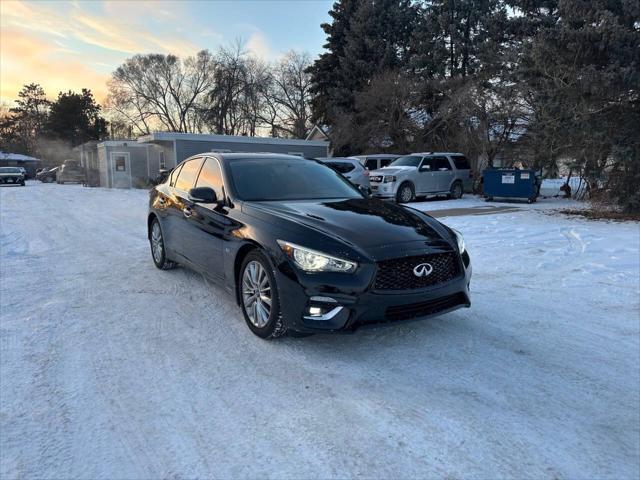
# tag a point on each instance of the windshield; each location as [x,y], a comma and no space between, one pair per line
[408,161]
[269,179]
[10,170]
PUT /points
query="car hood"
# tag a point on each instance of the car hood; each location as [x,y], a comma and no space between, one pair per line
[363,223]
[393,170]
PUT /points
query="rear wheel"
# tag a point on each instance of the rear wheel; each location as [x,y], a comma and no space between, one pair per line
[158,252]
[259,296]
[405,193]
[456,191]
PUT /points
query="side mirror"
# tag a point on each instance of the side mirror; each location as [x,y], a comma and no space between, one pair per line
[364,190]
[203,195]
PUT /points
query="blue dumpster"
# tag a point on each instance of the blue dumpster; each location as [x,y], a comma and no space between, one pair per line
[510,183]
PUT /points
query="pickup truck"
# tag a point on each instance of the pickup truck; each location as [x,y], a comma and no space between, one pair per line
[11,175]
[70,171]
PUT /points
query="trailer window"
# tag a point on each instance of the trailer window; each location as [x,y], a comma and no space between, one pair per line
[121,163]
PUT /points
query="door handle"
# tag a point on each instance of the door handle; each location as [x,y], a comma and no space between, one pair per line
[187,212]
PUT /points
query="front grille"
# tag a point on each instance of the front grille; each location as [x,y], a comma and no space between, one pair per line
[423,309]
[397,274]
[375,178]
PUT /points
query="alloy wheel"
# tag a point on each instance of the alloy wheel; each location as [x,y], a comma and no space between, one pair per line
[406,194]
[256,294]
[157,247]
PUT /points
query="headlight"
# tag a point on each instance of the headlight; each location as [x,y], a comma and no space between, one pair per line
[461,246]
[313,261]
[389,178]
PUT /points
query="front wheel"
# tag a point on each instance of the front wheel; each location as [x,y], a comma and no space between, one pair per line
[405,193]
[259,296]
[158,252]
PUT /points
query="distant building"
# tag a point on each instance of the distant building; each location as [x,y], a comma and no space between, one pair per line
[132,163]
[120,163]
[178,146]
[30,164]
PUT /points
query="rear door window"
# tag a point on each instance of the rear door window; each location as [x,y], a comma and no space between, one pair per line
[174,175]
[442,163]
[188,174]
[461,162]
[211,176]
[371,164]
[341,167]
[428,164]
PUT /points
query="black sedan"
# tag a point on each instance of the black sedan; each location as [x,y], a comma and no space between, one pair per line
[300,248]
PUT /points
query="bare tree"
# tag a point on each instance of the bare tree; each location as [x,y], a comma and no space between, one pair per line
[157,90]
[289,97]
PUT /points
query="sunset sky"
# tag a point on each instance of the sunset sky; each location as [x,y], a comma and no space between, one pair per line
[76,44]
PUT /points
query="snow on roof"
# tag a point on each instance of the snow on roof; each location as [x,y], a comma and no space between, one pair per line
[198,137]
[17,157]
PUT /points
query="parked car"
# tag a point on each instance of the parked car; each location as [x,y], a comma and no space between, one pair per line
[11,175]
[421,174]
[300,248]
[376,161]
[350,168]
[70,171]
[47,175]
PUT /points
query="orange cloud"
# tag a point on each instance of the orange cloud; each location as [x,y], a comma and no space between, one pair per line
[25,59]
[65,46]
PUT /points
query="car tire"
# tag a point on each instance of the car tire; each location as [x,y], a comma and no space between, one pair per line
[405,193]
[158,252]
[456,191]
[258,294]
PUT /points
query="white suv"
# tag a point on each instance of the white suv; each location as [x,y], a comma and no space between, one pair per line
[422,174]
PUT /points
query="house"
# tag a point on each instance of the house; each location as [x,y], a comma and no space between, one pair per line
[175,147]
[30,164]
[121,163]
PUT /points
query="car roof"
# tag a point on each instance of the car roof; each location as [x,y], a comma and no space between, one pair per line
[378,155]
[436,153]
[250,156]
[339,159]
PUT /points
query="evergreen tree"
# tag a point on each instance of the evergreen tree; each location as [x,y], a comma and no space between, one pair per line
[75,117]
[366,38]
[25,122]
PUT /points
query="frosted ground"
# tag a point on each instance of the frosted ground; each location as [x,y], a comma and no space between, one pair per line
[110,368]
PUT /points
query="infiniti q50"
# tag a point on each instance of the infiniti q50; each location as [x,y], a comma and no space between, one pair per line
[301,249]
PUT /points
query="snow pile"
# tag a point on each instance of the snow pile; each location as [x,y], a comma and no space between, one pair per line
[110,368]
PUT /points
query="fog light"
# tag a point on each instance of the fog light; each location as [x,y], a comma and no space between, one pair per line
[315,311]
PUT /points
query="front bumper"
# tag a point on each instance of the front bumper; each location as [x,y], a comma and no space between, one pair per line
[353,308]
[383,190]
[12,179]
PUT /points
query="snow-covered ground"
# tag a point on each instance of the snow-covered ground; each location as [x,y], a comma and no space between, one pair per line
[110,368]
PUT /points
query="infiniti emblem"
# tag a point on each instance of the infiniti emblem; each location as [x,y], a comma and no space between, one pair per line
[422,270]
